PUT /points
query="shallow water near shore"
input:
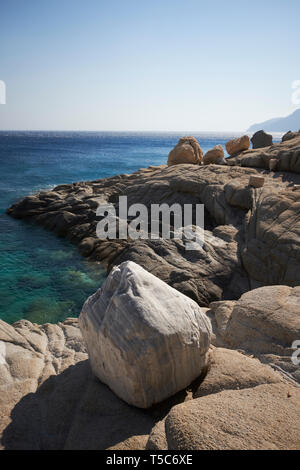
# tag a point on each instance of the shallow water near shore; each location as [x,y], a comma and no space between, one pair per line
[43,278]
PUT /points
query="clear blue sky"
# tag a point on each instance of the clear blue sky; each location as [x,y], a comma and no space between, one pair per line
[147,64]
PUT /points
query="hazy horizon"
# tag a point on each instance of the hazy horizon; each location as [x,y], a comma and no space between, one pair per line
[162,66]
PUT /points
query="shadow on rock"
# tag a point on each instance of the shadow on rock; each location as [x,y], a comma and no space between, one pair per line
[74,410]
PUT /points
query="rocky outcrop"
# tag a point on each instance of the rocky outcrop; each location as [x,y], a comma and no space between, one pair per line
[271,251]
[261,139]
[252,234]
[287,153]
[187,150]
[145,340]
[215,156]
[263,417]
[237,145]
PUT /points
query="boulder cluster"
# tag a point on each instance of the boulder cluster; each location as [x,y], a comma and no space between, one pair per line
[178,349]
[188,149]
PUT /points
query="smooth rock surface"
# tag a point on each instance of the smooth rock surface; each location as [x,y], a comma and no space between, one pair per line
[145,340]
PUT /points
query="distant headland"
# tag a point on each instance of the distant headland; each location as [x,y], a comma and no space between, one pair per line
[282,124]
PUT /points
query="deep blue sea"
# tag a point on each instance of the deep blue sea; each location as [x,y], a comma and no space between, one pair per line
[43,278]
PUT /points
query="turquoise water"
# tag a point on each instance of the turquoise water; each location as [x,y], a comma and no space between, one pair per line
[43,278]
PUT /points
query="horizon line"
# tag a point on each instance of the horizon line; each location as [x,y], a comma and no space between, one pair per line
[119,130]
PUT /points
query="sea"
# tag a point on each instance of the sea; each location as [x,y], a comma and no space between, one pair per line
[43,278]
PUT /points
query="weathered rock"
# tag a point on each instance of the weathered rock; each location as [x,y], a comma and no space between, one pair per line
[262,417]
[215,156]
[231,370]
[187,150]
[261,139]
[238,145]
[145,340]
[272,244]
[256,181]
[49,398]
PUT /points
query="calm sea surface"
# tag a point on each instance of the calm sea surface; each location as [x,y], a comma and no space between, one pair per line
[42,277]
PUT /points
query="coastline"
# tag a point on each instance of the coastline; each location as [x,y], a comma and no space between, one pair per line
[33,164]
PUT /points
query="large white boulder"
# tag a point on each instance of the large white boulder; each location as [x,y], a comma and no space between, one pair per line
[145,340]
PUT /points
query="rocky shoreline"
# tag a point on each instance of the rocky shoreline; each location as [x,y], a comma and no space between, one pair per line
[252,234]
[246,279]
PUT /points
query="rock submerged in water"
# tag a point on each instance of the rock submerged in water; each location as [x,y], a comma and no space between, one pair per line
[145,340]
[187,150]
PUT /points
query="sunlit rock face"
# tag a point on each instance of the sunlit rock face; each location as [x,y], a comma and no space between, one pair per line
[235,146]
[187,150]
[145,340]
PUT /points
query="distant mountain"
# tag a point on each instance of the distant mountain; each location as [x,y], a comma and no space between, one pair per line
[284,124]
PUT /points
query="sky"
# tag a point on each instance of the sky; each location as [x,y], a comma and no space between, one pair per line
[147,65]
